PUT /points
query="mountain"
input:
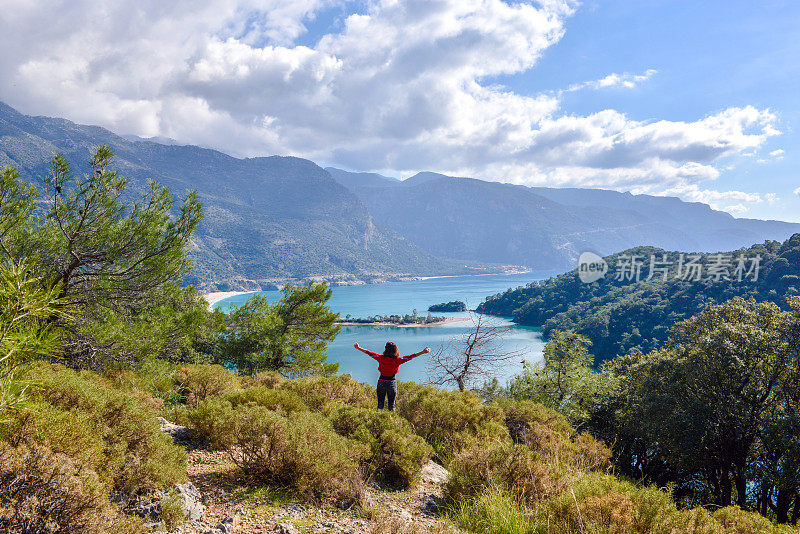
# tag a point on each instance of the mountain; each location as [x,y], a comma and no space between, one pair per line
[546,228]
[620,313]
[360,179]
[267,220]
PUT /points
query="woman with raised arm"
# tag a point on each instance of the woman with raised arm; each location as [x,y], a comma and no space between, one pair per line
[388,364]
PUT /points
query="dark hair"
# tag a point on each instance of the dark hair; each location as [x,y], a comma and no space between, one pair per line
[391,350]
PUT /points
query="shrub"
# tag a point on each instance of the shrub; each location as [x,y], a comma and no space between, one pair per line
[269,379]
[605,504]
[304,452]
[449,420]
[284,401]
[211,420]
[396,452]
[171,510]
[492,512]
[515,469]
[200,381]
[111,432]
[320,392]
[45,492]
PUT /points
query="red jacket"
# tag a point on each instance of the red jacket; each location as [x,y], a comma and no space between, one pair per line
[387,365]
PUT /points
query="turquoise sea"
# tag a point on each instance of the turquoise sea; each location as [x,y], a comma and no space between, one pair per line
[403,297]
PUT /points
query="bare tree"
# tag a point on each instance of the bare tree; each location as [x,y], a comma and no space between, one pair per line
[471,357]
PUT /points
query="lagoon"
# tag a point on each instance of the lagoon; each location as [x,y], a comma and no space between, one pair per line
[402,298]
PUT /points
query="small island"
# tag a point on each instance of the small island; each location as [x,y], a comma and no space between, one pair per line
[453,306]
[412,319]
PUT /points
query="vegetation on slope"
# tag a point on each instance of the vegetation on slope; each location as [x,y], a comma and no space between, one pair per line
[529,459]
[619,316]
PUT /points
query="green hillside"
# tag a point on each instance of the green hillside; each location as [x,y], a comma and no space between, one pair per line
[621,315]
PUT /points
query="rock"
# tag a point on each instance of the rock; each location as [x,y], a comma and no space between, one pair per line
[192,501]
[401,514]
[325,526]
[434,473]
[142,506]
[180,434]
[295,511]
[226,526]
[284,528]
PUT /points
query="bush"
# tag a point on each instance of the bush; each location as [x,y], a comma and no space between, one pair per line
[397,454]
[200,381]
[171,510]
[274,399]
[45,492]
[605,504]
[515,469]
[449,420]
[493,512]
[320,392]
[304,452]
[105,430]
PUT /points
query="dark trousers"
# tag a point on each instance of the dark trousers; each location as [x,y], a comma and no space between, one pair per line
[386,388]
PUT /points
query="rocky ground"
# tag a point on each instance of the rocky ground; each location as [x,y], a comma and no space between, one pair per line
[219,503]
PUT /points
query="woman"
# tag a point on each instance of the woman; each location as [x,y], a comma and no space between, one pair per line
[388,364]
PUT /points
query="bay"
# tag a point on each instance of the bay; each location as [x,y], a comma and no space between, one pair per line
[402,298]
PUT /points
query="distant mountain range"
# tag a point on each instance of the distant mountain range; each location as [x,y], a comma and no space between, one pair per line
[274,219]
[542,227]
[267,220]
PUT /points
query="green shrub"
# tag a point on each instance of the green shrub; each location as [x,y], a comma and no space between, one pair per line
[284,401]
[397,454]
[516,469]
[605,504]
[492,512]
[303,452]
[106,430]
[171,510]
[449,420]
[42,491]
[211,421]
[320,392]
[200,381]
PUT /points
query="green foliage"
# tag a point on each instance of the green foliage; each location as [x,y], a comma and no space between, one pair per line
[303,452]
[320,392]
[26,332]
[448,420]
[715,411]
[115,263]
[396,452]
[492,512]
[289,336]
[103,429]
[47,492]
[171,510]
[198,382]
[621,316]
[565,380]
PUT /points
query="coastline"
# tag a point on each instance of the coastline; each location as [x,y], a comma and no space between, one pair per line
[216,296]
[448,320]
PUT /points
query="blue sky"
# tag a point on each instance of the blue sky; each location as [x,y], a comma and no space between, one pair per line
[693,99]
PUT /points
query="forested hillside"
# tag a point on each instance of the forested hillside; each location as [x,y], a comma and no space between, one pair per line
[621,315]
[266,219]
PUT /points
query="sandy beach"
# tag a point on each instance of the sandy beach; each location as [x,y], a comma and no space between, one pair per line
[217,296]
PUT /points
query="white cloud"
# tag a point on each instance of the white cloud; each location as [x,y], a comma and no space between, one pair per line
[797,191]
[777,153]
[400,88]
[626,80]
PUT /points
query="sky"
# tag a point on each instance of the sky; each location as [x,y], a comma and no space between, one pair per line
[692,99]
